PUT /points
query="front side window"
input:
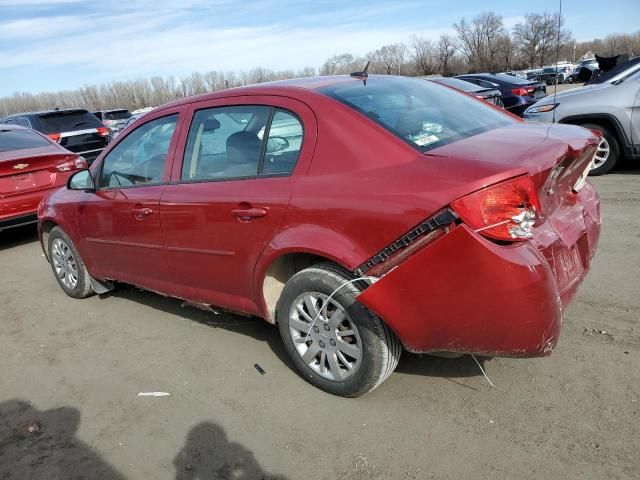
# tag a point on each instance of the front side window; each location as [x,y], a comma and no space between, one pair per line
[421,113]
[230,143]
[139,159]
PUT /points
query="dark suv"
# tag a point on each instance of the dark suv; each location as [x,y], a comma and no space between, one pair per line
[75,129]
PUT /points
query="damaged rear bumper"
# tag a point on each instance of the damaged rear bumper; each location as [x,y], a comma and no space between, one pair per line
[465,294]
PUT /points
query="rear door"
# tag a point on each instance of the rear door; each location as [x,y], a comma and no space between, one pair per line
[229,195]
[120,222]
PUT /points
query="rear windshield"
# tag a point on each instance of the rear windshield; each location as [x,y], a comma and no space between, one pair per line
[67,121]
[510,79]
[117,115]
[423,114]
[20,140]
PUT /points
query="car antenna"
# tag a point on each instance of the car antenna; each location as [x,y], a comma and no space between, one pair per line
[363,75]
[555,89]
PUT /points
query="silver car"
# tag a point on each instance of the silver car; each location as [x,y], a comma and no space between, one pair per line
[612,107]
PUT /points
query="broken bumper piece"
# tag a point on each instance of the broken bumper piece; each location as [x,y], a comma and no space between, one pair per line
[465,294]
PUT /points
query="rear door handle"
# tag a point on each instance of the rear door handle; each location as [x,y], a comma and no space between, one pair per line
[140,213]
[246,214]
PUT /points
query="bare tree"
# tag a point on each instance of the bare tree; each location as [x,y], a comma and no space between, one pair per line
[478,40]
[446,49]
[537,37]
[423,54]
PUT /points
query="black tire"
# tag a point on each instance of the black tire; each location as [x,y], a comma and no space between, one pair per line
[83,287]
[380,348]
[614,149]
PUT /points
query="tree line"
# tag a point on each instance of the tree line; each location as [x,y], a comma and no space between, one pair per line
[480,44]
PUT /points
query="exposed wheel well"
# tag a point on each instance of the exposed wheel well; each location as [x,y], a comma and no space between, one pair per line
[279,272]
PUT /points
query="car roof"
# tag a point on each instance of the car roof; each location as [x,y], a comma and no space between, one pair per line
[44,112]
[9,126]
[271,88]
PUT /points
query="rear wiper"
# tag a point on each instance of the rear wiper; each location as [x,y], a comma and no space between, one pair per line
[79,123]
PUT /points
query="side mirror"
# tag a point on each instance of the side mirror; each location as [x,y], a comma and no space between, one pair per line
[81,180]
[276,144]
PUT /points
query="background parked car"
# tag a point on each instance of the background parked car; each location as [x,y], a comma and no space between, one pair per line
[113,119]
[517,93]
[31,166]
[553,75]
[75,129]
[611,107]
[491,95]
[125,123]
[590,63]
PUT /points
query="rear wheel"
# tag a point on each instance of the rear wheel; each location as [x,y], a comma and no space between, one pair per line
[608,151]
[67,266]
[335,343]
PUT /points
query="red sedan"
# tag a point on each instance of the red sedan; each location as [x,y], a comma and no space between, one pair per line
[363,218]
[31,166]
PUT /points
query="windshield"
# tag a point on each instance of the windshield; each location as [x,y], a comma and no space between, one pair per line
[423,114]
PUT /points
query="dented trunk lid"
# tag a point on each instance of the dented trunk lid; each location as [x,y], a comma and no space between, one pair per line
[556,157]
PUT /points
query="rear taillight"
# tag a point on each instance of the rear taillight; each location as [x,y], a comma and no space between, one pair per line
[54,136]
[505,211]
[104,131]
[78,163]
[523,91]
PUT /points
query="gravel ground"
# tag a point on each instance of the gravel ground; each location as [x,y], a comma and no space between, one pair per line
[70,372]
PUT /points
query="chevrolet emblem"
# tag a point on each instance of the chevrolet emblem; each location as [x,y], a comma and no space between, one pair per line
[20,166]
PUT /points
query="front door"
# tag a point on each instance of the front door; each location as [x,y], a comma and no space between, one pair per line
[120,222]
[229,198]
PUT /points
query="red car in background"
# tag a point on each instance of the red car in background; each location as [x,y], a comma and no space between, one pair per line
[363,215]
[31,166]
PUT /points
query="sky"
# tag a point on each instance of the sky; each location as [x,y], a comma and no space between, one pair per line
[62,44]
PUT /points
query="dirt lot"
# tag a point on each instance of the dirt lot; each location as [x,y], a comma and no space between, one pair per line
[70,372]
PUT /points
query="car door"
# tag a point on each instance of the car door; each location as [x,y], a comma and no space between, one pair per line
[120,222]
[229,195]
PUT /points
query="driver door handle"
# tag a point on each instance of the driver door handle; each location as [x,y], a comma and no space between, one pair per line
[140,213]
[246,214]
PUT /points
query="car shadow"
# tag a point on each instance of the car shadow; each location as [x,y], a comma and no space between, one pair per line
[15,237]
[43,445]
[258,329]
[209,454]
[253,327]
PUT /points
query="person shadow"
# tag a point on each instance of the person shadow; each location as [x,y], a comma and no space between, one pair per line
[39,445]
[209,455]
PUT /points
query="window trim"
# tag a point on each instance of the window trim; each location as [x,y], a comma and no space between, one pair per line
[174,137]
[265,137]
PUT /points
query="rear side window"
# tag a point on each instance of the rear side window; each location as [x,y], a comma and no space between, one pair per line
[67,121]
[117,115]
[421,113]
[230,143]
[20,140]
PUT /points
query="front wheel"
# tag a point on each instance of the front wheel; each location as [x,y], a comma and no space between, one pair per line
[67,266]
[335,343]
